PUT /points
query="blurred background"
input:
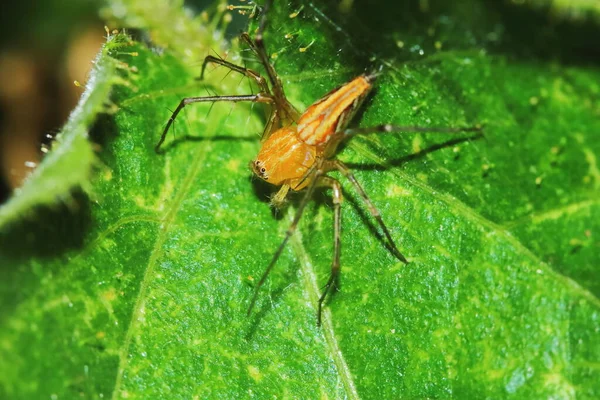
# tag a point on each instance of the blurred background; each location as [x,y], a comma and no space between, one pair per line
[44,47]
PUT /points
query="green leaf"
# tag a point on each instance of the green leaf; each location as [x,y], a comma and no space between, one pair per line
[141,292]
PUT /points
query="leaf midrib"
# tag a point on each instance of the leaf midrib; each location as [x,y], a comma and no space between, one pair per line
[311,287]
[157,251]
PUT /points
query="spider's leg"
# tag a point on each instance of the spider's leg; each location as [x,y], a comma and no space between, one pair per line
[273,123]
[272,120]
[388,128]
[260,97]
[260,81]
[258,46]
[290,231]
[337,229]
[340,166]
[289,114]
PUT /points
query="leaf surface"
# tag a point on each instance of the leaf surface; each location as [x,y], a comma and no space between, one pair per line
[500,298]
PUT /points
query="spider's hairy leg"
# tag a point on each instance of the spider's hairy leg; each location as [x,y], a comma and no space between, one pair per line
[289,114]
[290,231]
[260,81]
[340,166]
[258,45]
[389,128]
[273,122]
[260,97]
[337,229]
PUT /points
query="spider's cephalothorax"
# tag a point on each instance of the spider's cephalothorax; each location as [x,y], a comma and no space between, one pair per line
[284,159]
[289,153]
[298,150]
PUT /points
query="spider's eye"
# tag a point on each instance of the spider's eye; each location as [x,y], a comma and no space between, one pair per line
[259,169]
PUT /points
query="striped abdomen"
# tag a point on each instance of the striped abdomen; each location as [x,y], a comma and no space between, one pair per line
[333,112]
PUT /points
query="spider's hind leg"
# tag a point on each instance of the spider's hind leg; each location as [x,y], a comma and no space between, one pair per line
[389,128]
[340,166]
[331,284]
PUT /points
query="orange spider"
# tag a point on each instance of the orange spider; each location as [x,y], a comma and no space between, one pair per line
[298,150]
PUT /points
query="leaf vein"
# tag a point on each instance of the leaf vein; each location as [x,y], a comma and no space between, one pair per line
[311,287]
[156,251]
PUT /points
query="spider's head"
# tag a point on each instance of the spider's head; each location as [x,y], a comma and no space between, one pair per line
[283,158]
[258,167]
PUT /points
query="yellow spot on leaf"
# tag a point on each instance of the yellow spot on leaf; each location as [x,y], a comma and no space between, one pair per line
[593,170]
[109,295]
[254,373]
[417,143]
[395,191]
[233,165]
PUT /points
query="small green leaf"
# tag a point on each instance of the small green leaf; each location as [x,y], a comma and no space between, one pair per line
[141,292]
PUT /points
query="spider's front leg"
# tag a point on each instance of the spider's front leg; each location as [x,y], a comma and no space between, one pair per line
[318,180]
[315,176]
[260,97]
[288,112]
[260,81]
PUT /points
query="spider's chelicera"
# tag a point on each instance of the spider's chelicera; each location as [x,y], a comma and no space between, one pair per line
[298,149]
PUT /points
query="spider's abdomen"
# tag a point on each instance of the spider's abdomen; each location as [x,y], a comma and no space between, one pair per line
[284,159]
[333,112]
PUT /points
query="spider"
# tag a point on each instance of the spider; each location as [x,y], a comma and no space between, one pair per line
[298,149]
